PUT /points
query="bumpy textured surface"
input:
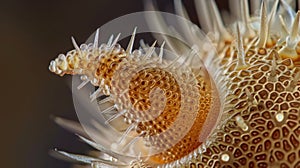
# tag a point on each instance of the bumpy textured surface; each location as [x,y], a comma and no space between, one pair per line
[261,114]
[108,64]
[258,71]
[158,122]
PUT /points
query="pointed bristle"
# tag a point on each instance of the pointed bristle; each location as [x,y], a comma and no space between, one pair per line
[96,39]
[294,82]
[109,42]
[82,84]
[263,36]
[203,15]
[76,157]
[143,45]
[161,52]
[131,42]
[246,17]
[95,94]
[216,15]
[272,14]
[241,123]
[88,160]
[289,50]
[126,133]
[116,40]
[218,22]
[109,109]
[272,76]
[70,125]
[105,100]
[283,25]
[150,50]
[113,117]
[75,44]
[240,48]
[273,70]
[130,143]
[174,61]
[295,28]
[245,11]
[180,9]
[186,26]
[274,8]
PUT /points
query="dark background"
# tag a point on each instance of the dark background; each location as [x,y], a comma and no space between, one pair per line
[32,33]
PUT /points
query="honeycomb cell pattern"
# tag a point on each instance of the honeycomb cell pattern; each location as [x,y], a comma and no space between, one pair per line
[108,64]
[257,74]
[261,113]
[161,132]
[260,121]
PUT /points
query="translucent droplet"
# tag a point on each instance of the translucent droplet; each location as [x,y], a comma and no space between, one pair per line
[225,157]
[279,117]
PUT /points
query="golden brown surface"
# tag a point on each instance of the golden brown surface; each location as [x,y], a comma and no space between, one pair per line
[140,88]
[191,140]
[107,66]
[261,114]
[260,119]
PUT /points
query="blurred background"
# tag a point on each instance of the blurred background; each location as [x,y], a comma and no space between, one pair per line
[32,33]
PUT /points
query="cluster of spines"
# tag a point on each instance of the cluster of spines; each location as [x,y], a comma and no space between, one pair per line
[87,53]
[257,39]
[287,51]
